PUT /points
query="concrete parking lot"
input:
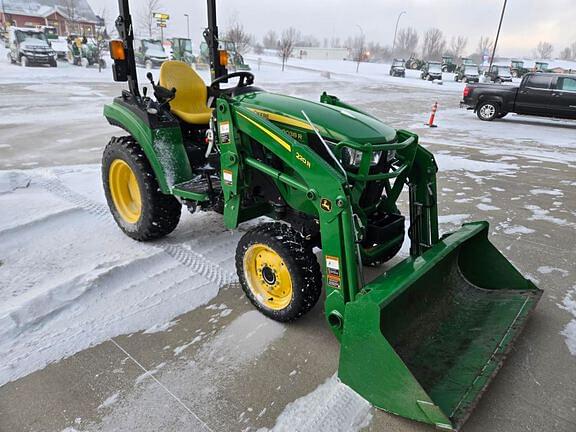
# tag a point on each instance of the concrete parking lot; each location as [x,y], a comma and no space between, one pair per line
[219,365]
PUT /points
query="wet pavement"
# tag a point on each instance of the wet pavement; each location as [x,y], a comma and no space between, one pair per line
[225,367]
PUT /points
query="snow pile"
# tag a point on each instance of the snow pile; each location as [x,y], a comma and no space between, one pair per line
[332,407]
[569,304]
[69,279]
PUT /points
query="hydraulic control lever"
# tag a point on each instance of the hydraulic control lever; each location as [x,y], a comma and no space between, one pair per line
[162,94]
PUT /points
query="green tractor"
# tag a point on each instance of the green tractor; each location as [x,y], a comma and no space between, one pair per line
[235,59]
[414,63]
[448,64]
[541,67]
[423,339]
[84,52]
[182,50]
[517,68]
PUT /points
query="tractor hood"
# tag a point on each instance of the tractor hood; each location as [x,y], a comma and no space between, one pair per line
[334,123]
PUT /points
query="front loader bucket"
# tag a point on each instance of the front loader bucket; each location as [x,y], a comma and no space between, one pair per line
[426,338]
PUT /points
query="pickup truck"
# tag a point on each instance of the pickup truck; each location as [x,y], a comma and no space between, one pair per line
[539,94]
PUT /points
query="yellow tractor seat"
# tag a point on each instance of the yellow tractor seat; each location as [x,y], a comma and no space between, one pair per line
[191,92]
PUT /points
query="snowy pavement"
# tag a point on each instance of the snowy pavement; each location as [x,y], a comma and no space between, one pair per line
[100,333]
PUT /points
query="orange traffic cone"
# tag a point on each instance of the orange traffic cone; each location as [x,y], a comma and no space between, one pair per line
[432,116]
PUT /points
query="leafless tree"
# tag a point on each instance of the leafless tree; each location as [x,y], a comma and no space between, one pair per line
[241,39]
[434,44]
[335,42]
[566,54]
[287,43]
[484,47]
[358,50]
[458,45]
[406,41]
[146,20]
[308,41]
[270,40]
[101,40]
[544,50]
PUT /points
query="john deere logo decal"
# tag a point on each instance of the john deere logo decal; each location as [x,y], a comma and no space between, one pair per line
[326,204]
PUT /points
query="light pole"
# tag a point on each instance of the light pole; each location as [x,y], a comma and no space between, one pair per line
[188,24]
[497,36]
[396,31]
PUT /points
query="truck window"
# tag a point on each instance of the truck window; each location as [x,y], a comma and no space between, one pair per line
[538,82]
[567,84]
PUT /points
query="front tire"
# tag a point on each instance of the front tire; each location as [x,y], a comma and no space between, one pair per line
[278,271]
[487,111]
[139,208]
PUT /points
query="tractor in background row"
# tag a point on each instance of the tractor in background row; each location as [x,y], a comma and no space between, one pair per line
[414,63]
[517,68]
[84,52]
[448,64]
[235,59]
[182,50]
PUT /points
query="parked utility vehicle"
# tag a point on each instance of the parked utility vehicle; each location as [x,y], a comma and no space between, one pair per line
[397,69]
[29,46]
[431,71]
[499,74]
[150,53]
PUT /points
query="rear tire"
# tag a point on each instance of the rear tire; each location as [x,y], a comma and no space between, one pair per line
[139,208]
[278,271]
[487,111]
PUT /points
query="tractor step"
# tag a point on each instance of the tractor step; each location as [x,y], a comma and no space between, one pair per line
[197,189]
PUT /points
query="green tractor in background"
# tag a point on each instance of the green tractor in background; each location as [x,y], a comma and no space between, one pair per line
[448,64]
[541,67]
[414,63]
[84,52]
[182,50]
[517,68]
[423,339]
[235,59]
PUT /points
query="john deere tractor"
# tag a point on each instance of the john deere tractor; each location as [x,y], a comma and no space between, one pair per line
[182,50]
[423,339]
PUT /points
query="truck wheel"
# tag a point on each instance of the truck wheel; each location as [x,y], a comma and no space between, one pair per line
[134,198]
[278,271]
[24,61]
[487,111]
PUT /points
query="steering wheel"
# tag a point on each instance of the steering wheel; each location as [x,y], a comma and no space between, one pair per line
[246,79]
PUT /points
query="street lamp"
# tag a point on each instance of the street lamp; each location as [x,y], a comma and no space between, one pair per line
[188,24]
[396,31]
[497,35]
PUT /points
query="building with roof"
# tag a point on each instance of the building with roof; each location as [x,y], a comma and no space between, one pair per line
[68,16]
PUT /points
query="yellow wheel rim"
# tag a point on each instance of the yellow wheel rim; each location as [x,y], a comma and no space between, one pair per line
[125,191]
[268,277]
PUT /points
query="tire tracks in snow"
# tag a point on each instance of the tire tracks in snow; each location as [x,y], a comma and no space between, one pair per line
[197,262]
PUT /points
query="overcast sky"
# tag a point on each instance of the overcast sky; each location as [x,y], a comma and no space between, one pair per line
[526,22]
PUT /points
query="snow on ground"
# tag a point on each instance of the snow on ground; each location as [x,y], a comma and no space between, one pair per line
[569,304]
[332,407]
[56,301]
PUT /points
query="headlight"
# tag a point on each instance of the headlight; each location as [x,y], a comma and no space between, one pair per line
[353,158]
